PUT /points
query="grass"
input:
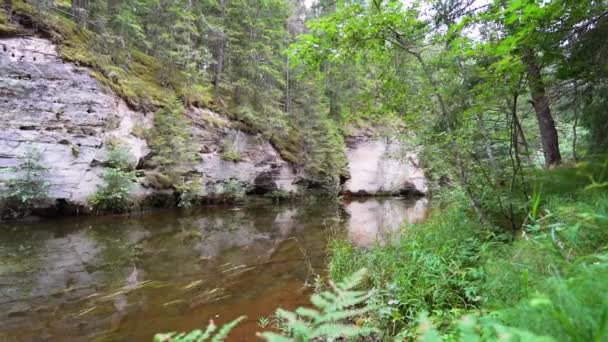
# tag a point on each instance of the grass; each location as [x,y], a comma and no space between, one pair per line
[548,280]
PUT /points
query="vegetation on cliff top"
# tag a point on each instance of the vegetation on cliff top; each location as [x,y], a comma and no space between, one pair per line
[226,56]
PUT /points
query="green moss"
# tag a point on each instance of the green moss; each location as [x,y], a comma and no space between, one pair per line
[288,145]
[232,156]
[6,28]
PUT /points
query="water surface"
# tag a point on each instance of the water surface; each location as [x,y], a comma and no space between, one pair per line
[123,278]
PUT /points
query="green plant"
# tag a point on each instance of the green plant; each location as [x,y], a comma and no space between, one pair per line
[27,188]
[434,266]
[230,151]
[233,190]
[114,195]
[171,139]
[188,192]
[263,322]
[472,329]
[328,322]
[279,195]
[75,150]
[206,335]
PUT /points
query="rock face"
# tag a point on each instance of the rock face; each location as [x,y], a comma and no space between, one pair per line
[258,164]
[61,111]
[382,166]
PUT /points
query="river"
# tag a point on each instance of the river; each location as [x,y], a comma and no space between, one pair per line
[124,278]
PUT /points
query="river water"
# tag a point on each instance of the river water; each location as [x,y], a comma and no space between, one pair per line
[124,278]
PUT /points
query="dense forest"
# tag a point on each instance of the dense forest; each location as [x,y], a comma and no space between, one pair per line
[505,100]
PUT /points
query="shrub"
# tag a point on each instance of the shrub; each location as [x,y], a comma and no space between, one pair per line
[26,189]
[573,307]
[114,195]
[233,190]
[188,192]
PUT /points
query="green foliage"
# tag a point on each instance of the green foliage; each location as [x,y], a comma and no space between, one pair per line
[207,335]
[565,309]
[114,194]
[230,151]
[434,266]
[188,192]
[469,329]
[233,190]
[6,27]
[540,285]
[333,308]
[26,188]
[174,152]
[171,139]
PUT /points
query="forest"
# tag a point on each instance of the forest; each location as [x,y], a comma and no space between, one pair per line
[506,102]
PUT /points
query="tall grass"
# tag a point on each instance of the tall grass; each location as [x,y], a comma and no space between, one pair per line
[548,280]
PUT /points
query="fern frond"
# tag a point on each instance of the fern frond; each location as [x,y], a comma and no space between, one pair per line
[225,330]
[327,322]
[353,280]
[296,326]
[332,331]
[272,337]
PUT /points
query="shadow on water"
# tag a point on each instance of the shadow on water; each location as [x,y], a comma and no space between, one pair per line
[125,278]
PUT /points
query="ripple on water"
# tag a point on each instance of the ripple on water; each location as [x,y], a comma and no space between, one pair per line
[127,277]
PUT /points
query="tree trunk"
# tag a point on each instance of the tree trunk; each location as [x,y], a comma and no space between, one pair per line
[548,132]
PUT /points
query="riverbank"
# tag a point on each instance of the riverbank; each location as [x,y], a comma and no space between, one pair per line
[454,275]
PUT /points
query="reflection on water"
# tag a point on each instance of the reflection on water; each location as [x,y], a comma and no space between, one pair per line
[373,220]
[125,278]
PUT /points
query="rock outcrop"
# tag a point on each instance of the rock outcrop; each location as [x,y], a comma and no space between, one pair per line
[382,166]
[60,110]
[68,116]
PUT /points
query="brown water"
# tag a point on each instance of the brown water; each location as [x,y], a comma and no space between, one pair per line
[124,278]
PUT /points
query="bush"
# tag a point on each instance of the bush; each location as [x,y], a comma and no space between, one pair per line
[233,190]
[188,192]
[26,189]
[114,195]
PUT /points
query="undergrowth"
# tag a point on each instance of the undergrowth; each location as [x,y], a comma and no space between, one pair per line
[546,282]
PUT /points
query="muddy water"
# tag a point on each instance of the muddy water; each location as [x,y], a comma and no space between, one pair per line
[125,278]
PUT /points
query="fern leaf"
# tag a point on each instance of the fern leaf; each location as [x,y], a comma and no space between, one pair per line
[341,315]
[225,330]
[313,315]
[297,326]
[332,331]
[272,337]
[353,280]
